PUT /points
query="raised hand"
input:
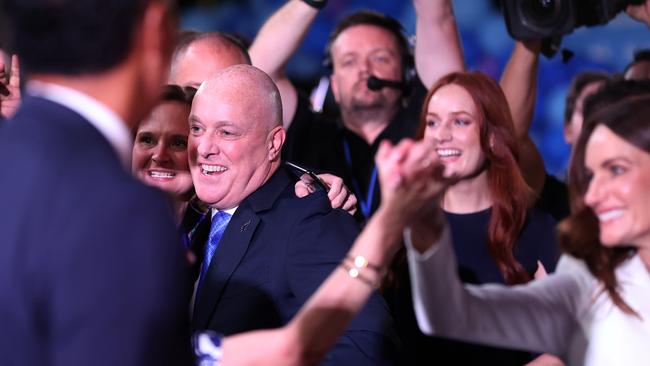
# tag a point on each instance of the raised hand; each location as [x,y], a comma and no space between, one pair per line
[9,88]
[412,187]
[410,177]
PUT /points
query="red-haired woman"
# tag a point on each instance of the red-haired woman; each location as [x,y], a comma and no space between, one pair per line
[496,234]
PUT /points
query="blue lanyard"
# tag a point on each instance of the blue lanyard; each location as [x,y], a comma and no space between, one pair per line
[366,205]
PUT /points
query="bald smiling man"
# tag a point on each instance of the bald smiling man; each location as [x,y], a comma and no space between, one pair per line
[274,249]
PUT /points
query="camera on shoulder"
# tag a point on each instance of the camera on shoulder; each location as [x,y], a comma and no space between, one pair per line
[539,19]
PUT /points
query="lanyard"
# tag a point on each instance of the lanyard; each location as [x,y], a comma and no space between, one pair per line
[366,205]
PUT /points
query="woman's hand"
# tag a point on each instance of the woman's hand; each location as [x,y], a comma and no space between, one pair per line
[411,179]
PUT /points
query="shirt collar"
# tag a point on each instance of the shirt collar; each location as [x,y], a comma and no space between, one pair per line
[230,211]
[105,120]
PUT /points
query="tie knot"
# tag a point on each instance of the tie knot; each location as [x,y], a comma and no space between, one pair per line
[219,222]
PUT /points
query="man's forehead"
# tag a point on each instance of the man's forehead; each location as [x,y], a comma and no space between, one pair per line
[226,94]
[366,34]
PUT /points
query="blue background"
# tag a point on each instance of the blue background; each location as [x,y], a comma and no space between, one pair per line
[486,45]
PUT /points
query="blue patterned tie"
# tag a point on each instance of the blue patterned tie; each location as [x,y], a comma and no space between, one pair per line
[218,226]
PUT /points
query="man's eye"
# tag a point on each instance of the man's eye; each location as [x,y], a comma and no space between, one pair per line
[382,59]
[348,62]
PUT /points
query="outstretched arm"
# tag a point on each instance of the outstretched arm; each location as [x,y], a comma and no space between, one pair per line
[519,84]
[539,316]
[437,46]
[310,334]
[276,42]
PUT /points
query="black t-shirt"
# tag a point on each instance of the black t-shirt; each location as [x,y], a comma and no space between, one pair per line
[328,146]
[469,234]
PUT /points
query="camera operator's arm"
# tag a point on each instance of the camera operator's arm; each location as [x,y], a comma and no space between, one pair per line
[276,42]
[437,49]
[519,84]
[640,12]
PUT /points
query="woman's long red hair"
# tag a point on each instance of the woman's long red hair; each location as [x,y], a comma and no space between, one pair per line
[511,196]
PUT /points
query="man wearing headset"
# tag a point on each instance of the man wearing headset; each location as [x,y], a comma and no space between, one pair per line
[362,45]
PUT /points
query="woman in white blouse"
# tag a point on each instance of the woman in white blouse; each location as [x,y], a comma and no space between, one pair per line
[595,309]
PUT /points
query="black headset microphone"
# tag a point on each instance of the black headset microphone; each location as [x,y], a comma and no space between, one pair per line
[374,83]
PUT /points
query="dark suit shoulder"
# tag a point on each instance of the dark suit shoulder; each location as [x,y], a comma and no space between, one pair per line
[318,241]
[96,251]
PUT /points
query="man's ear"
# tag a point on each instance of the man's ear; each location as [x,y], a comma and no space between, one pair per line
[275,142]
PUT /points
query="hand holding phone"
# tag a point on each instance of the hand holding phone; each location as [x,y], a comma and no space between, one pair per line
[310,178]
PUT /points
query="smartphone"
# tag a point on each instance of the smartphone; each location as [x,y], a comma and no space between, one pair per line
[314,178]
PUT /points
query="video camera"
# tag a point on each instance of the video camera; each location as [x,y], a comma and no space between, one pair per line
[539,19]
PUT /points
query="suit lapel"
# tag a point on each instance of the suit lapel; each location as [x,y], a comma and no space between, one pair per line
[234,244]
[229,253]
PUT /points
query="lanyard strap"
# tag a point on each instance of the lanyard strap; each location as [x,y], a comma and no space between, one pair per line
[366,205]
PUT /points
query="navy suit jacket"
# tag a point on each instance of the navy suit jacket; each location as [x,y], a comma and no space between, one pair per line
[276,250]
[91,271]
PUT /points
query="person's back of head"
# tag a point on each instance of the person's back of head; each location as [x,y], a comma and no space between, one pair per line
[579,82]
[583,84]
[198,56]
[613,91]
[114,51]
[71,37]
[639,68]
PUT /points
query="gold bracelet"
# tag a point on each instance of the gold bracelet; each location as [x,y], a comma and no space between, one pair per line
[354,273]
[360,261]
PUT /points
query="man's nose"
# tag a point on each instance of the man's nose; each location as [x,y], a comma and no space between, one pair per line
[206,146]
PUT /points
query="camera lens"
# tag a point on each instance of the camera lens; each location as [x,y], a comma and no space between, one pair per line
[538,19]
[541,11]
[542,14]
